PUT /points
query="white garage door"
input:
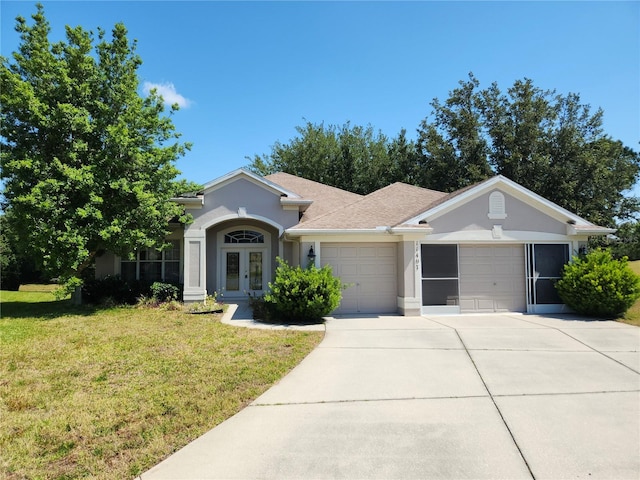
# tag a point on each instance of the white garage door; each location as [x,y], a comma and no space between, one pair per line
[370,269]
[492,279]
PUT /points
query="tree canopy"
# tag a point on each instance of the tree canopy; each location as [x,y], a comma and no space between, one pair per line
[353,158]
[88,164]
[550,143]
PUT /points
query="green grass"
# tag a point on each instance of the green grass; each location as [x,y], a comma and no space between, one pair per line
[632,316]
[108,393]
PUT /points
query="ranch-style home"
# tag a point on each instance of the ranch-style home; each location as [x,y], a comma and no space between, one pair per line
[491,247]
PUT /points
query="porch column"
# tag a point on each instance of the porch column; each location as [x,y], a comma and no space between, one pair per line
[195,289]
[409,278]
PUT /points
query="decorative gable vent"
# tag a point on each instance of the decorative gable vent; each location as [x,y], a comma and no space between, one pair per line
[497,208]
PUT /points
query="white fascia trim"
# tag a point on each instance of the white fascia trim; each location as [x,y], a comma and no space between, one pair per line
[509,186]
[300,203]
[572,230]
[412,231]
[507,236]
[252,177]
[189,202]
[299,232]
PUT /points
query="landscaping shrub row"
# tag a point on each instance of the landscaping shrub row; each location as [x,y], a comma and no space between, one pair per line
[115,290]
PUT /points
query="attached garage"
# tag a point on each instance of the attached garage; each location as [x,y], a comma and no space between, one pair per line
[473,278]
[370,271]
[492,278]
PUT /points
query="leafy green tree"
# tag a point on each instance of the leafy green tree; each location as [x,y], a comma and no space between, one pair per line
[87,163]
[403,160]
[555,146]
[549,143]
[627,242]
[452,152]
[353,158]
[10,268]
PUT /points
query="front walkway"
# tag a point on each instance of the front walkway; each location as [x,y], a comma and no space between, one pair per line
[494,396]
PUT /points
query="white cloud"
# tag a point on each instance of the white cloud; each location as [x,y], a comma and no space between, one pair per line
[168,93]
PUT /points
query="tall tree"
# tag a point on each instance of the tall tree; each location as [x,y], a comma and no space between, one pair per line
[553,145]
[452,152]
[87,163]
[403,159]
[353,158]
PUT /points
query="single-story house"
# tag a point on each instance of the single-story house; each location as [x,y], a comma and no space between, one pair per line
[494,246]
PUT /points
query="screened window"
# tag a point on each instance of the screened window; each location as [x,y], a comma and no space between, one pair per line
[151,265]
[544,268]
[439,275]
[244,236]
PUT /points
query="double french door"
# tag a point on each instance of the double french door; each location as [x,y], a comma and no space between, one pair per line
[243,271]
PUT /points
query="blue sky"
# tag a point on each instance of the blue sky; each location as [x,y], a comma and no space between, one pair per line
[250,72]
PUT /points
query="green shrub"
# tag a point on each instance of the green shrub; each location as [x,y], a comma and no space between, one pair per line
[259,307]
[300,295]
[164,292]
[112,288]
[597,285]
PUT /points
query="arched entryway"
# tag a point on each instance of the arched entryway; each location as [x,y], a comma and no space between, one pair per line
[240,257]
[243,256]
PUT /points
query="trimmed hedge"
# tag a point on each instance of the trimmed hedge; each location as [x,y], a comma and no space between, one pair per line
[598,285]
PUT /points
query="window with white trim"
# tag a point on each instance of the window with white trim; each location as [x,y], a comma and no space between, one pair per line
[244,236]
[151,265]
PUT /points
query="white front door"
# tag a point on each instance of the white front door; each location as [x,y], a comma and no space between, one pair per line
[243,271]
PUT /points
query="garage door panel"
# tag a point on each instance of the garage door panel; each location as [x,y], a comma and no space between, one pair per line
[382,270]
[367,252]
[371,272]
[330,252]
[347,269]
[387,252]
[346,252]
[492,278]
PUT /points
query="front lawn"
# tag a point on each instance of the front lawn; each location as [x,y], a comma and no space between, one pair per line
[108,393]
[633,314]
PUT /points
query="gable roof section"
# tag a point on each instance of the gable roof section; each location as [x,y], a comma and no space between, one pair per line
[388,207]
[576,224]
[252,177]
[325,198]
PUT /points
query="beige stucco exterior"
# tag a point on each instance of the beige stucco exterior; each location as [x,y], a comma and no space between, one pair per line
[296,215]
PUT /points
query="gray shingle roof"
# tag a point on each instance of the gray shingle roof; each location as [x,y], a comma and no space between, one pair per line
[389,206]
[325,198]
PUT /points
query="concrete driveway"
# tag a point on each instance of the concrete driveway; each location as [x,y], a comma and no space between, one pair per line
[487,396]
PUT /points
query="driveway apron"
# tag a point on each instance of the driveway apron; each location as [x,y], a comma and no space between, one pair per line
[452,397]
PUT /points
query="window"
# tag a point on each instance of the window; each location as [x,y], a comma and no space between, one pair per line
[152,265]
[243,236]
[439,274]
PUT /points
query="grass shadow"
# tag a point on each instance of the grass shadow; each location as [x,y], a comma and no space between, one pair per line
[43,310]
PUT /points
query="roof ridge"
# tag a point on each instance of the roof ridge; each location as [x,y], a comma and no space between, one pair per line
[324,185]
